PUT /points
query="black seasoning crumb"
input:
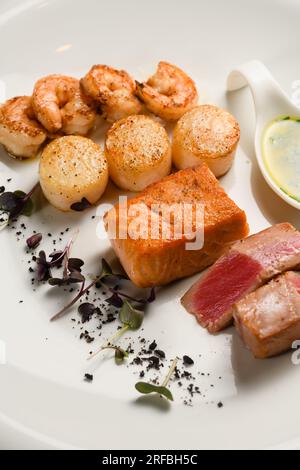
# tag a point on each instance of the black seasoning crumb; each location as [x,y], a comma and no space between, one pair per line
[20,301]
[137,360]
[220,404]
[8,180]
[186,375]
[2,189]
[187,361]
[153,363]
[142,374]
[86,336]
[88,377]
[160,353]
[153,345]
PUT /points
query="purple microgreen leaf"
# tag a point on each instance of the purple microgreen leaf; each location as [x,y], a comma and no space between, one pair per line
[115,290]
[82,291]
[43,271]
[57,258]
[105,269]
[34,240]
[56,281]
[81,206]
[115,300]
[75,277]
[74,268]
[26,207]
[152,296]
[75,264]
[9,202]
[72,278]
[56,254]
[17,202]
[86,310]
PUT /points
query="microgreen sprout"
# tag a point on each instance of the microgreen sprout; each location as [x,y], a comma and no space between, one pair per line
[16,203]
[81,205]
[56,260]
[162,390]
[120,354]
[117,296]
[131,318]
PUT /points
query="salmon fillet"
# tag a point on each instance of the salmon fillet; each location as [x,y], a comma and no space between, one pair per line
[246,266]
[268,319]
[158,261]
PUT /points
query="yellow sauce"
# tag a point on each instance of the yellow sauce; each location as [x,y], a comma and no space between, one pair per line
[281,154]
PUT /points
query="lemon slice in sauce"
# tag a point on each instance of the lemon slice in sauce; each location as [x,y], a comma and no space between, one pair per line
[281,154]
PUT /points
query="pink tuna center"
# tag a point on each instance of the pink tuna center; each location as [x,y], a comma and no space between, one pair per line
[227,282]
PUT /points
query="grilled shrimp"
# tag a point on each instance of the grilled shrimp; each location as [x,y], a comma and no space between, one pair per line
[20,133]
[169,93]
[61,106]
[114,90]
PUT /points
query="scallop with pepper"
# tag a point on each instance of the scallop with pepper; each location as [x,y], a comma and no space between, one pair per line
[73,168]
[206,134]
[138,151]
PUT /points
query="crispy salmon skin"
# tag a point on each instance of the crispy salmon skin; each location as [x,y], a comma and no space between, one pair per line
[157,261]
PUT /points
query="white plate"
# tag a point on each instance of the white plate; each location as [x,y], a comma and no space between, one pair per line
[44,401]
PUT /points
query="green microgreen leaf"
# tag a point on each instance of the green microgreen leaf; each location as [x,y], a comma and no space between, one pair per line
[146,388]
[120,355]
[131,316]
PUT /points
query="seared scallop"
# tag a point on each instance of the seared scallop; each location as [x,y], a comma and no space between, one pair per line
[138,151]
[73,168]
[206,133]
